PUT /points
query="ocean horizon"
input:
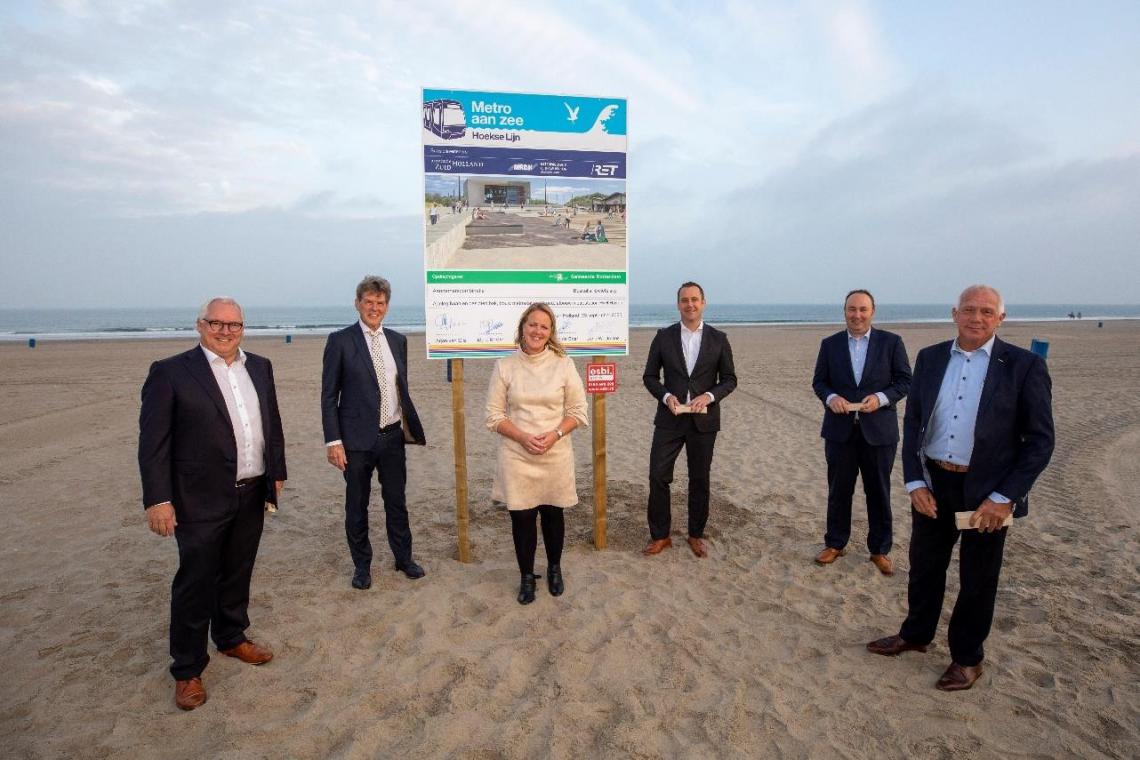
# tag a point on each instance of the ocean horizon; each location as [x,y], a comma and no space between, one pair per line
[174,322]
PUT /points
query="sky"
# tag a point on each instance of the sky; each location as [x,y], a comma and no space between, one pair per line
[157,153]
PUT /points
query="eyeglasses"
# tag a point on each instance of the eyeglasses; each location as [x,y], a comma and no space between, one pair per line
[216,325]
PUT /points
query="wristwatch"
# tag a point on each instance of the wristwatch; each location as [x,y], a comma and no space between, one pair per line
[559,431]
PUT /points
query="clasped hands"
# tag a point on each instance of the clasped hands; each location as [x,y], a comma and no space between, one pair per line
[986,518]
[840,405]
[697,405]
[539,443]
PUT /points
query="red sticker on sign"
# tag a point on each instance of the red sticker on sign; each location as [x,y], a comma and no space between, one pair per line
[601,378]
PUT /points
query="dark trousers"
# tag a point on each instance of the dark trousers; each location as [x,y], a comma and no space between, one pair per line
[663,452]
[525,533]
[387,459]
[979,565]
[845,462]
[210,593]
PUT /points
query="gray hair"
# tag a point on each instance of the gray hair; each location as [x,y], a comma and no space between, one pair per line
[374,284]
[982,289]
[204,309]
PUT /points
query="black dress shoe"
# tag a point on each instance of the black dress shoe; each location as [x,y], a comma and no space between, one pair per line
[554,580]
[526,589]
[362,579]
[411,569]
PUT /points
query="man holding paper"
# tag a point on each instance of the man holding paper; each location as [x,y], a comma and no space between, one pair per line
[978,431]
[860,376]
[696,361]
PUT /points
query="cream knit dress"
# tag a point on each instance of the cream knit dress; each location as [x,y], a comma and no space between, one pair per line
[535,393]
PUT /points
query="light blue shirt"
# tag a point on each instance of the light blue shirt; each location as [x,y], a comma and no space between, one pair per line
[950,432]
[857,348]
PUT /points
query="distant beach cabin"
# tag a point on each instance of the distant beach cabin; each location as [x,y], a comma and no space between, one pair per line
[445,118]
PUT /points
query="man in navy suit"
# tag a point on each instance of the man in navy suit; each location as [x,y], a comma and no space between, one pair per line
[211,456]
[978,431]
[696,360]
[368,416]
[860,376]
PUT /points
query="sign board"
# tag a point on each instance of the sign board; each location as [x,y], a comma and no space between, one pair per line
[524,200]
[601,377]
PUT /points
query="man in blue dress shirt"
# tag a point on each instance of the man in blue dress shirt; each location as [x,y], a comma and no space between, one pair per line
[860,376]
[978,431]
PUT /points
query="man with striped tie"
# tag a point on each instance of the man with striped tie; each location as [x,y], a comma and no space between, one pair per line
[368,417]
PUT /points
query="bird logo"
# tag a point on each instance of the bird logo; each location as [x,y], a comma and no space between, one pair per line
[573,112]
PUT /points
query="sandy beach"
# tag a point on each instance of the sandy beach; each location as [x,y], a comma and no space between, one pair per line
[754,652]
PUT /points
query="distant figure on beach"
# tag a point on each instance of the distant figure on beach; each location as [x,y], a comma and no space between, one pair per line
[978,431]
[587,232]
[434,215]
[600,233]
[212,458]
[860,376]
[368,417]
[534,402]
[696,361]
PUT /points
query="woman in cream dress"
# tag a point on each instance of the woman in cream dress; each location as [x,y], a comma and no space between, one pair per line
[535,401]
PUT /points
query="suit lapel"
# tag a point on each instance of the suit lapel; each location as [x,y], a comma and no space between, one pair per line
[932,379]
[844,344]
[199,369]
[703,351]
[394,349]
[874,348]
[361,343]
[989,386]
[260,384]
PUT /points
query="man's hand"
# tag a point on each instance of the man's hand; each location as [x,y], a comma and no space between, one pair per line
[923,502]
[990,515]
[838,404]
[337,457]
[871,403]
[277,486]
[672,403]
[160,519]
[699,403]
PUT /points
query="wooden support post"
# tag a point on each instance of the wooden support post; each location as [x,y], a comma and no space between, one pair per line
[459,432]
[599,430]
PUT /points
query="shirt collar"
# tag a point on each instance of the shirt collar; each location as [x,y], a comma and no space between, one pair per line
[211,357]
[368,330]
[700,327]
[864,335]
[987,347]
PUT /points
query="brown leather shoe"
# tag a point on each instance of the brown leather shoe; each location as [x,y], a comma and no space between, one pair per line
[698,546]
[892,645]
[656,547]
[829,555]
[251,653]
[189,694]
[959,677]
[883,562]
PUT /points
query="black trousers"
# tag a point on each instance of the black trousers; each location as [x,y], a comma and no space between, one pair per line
[979,565]
[210,592]
[525,533]
[387,459]
[666,446]
[845,462]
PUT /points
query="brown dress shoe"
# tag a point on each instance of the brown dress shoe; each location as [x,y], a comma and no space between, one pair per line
[698,546]
[883,562]
[829,555]
[892,645]
[189,694]
[959,677]
[657,546]
[251,653]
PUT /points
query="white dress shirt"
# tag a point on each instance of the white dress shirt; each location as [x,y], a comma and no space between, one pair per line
[244,410]
[857,348]
[691,348]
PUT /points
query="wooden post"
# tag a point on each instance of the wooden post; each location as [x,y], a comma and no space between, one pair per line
[599,425]
[459,431]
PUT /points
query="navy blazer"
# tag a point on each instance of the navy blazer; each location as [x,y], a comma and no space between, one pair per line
[886,370]
[187,450]
[1013,435]
[713,373]
[350,392]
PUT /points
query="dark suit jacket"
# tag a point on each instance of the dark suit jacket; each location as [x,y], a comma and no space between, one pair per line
[886,370]
[1013,435]
[713,372]
[187,451]
[350,393]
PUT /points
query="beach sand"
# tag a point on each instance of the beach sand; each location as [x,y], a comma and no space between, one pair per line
[754,652]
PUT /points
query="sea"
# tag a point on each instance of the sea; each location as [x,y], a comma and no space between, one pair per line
[177,322]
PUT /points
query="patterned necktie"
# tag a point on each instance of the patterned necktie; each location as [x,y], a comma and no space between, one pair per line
[381,372]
